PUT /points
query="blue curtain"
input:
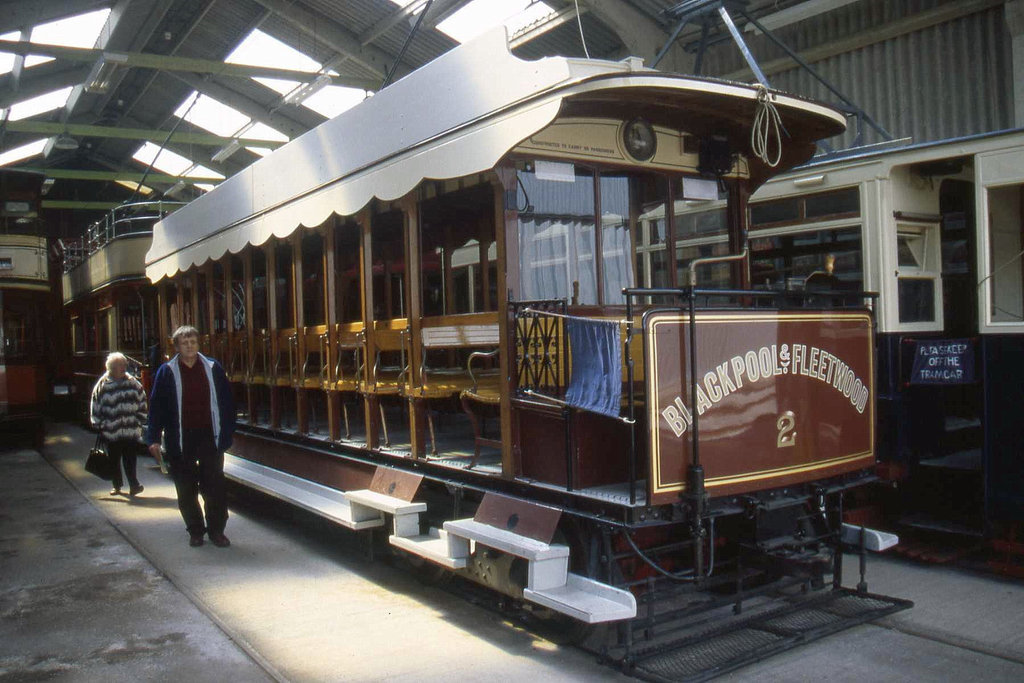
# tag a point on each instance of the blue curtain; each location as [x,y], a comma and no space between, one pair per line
[596,383]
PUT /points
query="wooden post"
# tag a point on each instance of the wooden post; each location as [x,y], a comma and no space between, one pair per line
[270,372]
[330,292]
[414,313]
[250,327]
[301,404]
[506,232]
[371,403]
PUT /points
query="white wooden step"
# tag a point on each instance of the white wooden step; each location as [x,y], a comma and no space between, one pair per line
[548,563]
[437,546]
[406,514]
[874,540]
[321,500]
[589,601]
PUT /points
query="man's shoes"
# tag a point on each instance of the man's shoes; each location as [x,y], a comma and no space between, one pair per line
[195,540]
[219,540]
[116,491]
[136,490]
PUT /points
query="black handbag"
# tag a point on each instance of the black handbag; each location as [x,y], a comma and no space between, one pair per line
[98,462]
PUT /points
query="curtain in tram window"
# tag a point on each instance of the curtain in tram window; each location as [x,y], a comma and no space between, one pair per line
[596,383]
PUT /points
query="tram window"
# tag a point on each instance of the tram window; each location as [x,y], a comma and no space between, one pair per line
[186,298]
[237,294]
[313,279]
[712,276]
[652,235]
[171,313]
[786,262]
[388,265]
[77,334]
[917,299]
[1006,243]
[203,314]
[910,249]
[840,202]
[220,323]
[104,320]
[616,247]
[346,265]
[284,301]
[259,290]
[556,236]
[777,211]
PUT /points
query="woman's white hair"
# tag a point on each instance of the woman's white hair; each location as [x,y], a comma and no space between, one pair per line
[115,357]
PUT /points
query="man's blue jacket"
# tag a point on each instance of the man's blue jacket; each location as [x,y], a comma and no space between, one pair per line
[165,406]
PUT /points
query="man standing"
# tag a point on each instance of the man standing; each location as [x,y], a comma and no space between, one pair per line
[192,407]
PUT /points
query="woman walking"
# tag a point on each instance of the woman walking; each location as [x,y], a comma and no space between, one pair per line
[118,410]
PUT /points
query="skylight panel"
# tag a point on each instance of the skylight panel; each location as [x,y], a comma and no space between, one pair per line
[262,131]
[24,152]
[40,104]
[261,49]
[167,162]
[7,58]
[212,115]
[278,85]
[79,31]
[200,171]
[333,100]
[481,15]
[131,185]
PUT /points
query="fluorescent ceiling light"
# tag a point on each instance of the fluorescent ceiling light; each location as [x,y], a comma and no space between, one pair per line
[225,152]
[797,13]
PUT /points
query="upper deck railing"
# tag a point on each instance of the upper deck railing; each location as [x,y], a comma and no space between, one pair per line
[121,221]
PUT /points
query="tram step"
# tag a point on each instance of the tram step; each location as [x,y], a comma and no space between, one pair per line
[326,502]
[590,601]
[874,540]
[406,514]
[437,546]
[548,563]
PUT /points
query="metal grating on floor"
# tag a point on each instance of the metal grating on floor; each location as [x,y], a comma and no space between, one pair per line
[744,641]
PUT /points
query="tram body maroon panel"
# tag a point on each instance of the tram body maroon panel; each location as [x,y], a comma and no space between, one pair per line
[780,398]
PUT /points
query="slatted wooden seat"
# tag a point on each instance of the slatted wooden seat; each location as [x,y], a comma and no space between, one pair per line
[284,372]
[477,330]
[315,350]
[259,359]
[348,342]
[385,378]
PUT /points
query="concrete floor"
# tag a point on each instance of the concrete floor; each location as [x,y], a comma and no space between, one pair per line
[97,587]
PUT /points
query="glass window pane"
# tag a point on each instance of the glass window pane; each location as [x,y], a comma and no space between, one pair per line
[917,300]
[778,211]
[832,203]
[556,237]
[1006,240]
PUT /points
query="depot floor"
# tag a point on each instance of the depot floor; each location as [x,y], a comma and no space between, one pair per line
[96,587]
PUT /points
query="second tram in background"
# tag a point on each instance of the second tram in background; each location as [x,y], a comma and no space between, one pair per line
[26,311]
[937,229]
[108,302]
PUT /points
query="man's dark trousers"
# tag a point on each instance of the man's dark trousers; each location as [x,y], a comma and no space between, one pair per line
[201,471]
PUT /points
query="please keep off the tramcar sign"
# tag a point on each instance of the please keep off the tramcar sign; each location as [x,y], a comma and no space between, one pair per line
[943,361]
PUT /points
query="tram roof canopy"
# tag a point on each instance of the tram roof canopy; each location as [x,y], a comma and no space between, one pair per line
[456,116]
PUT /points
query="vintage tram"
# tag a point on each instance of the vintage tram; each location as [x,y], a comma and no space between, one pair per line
[432,318]
[936,229]
[109,303]
[25,306]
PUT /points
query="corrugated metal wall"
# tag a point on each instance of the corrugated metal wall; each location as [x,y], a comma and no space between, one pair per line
[943,81]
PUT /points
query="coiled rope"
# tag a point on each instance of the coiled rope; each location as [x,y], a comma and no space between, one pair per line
[767,129]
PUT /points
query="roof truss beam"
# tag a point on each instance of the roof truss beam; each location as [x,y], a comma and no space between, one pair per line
[48,128]
[115,176]
[174,64]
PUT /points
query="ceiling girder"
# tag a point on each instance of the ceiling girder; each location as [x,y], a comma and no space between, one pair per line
[39,80]
[340,39]
[641,36]
[114,176]
[49,128]
[172,63]
[534,31]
